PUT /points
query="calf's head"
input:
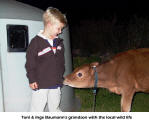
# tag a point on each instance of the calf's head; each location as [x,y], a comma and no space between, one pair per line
[82,77]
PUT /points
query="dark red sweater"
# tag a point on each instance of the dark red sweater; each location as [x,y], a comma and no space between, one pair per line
[45,68]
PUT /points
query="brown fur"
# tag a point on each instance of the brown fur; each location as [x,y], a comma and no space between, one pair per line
[125,74]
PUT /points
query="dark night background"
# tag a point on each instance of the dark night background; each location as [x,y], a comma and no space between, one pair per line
[104,26]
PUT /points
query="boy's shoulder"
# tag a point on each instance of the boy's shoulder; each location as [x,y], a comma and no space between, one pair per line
[59,40]
[36,39]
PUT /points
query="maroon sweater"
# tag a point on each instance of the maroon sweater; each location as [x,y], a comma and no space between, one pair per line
[42,65]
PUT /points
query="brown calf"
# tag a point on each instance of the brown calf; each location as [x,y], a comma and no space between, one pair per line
[124,74]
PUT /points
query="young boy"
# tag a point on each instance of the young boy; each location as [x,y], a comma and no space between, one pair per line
[45,62]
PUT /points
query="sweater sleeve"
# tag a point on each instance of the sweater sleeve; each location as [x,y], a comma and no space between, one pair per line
[62,57]
[30,65]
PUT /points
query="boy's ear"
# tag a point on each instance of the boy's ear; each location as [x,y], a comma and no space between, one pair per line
[49,23]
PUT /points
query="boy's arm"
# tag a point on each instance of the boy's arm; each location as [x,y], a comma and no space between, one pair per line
[62,56]
[31,62]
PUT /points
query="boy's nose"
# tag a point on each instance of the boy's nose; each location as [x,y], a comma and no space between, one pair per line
[60,31]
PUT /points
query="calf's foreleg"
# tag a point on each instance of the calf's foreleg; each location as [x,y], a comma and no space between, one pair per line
[126,100]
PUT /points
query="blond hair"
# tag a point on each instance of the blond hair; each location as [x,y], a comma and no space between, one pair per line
[52,14]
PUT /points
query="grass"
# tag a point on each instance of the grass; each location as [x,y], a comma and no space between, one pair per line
[105,100]
[109,102]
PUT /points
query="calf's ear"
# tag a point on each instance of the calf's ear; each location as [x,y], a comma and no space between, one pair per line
[94,64]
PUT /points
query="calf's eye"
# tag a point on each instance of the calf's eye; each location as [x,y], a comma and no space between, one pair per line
[79,74]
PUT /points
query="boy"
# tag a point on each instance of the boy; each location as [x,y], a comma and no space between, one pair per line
[45,62]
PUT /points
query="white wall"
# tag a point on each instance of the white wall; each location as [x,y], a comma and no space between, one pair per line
[17,93]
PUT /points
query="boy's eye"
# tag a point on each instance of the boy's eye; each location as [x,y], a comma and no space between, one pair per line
[79,74]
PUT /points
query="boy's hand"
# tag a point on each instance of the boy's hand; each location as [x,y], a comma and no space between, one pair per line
[34,85]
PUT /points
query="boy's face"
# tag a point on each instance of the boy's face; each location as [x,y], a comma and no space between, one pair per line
[55,28]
